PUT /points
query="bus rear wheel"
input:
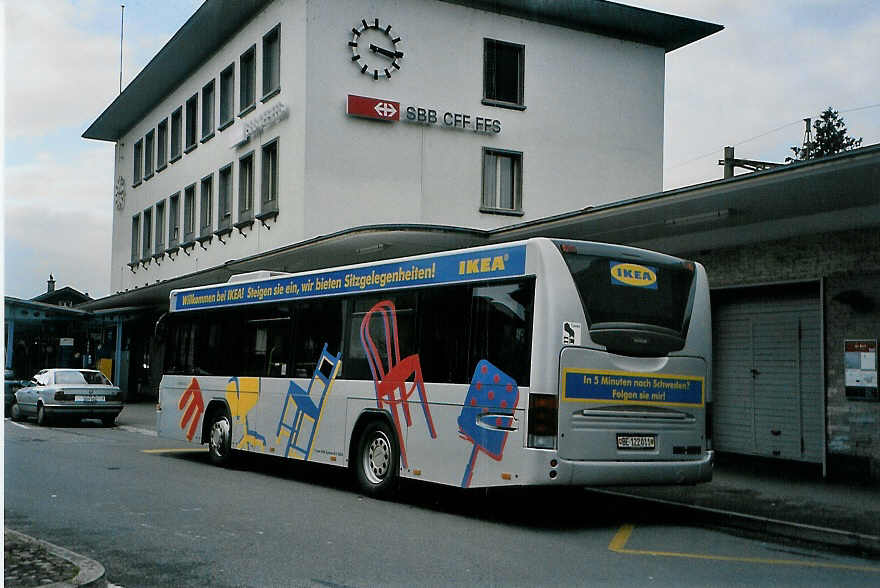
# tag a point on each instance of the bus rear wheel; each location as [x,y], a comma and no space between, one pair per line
[377,460]
[220,440]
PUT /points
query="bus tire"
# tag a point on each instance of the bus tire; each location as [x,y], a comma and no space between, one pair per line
[377,460]
[220,439]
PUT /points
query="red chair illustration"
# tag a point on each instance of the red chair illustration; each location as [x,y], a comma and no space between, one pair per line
[392,376]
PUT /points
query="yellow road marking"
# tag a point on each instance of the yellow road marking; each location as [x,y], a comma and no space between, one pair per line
[618,545]
[176,450]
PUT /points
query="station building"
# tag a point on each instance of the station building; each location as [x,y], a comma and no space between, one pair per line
[292,135]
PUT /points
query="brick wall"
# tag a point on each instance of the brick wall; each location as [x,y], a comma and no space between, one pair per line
[847,261]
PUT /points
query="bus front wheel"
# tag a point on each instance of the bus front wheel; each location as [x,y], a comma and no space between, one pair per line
[377,460]
[220,440]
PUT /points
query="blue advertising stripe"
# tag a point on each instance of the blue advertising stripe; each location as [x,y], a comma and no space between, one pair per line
[442,269]
[632,388]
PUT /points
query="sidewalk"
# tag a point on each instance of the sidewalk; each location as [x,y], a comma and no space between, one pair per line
[778,498]
[31,562]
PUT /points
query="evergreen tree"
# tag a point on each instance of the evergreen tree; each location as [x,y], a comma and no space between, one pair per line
[829,138]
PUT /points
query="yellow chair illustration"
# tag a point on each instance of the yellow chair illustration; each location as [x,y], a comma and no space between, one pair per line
[242,395]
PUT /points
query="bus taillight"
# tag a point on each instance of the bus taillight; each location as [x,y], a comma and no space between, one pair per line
[543,409]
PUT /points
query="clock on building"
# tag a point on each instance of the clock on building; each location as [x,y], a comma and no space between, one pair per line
[374,48]
[119,193]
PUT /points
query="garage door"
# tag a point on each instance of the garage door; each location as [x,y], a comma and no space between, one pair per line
[767,371]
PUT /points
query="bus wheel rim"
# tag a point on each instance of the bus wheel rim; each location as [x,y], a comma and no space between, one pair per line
[377,454]
[219,434]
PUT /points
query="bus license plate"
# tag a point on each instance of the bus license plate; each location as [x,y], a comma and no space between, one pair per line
[636,441]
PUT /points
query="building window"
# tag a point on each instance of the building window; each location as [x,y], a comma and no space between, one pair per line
[149,146]
[248,70]
[162,145]
[189,214]
[176,118]
[502,181]
[135,237]
[272,63]
[269,178]
[148,234]
[160,226]
[224,198]
[503,73]
[227,92]
[246,188]
[137,172]
[208,111]
[192,111]
[207,206]
[174,220]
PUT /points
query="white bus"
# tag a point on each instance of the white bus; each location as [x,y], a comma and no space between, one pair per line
[536,362]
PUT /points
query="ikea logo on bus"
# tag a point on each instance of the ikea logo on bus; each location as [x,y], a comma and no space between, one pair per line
[481,265]
[631,274]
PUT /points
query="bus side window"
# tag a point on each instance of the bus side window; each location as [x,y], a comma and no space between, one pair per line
[501,327]
[355,365]
[316,323]
[443,318]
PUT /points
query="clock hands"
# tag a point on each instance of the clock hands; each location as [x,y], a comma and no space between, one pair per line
[385,52]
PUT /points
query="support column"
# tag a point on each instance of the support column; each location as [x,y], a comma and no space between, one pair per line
[10,342]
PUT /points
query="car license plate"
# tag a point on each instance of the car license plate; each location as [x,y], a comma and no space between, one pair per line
[88,398]
[643,442]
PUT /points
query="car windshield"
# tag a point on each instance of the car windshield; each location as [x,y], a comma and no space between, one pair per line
[81,377]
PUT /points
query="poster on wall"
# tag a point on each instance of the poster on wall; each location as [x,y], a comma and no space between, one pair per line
[860,363]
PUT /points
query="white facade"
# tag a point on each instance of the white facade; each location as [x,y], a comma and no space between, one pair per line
[591,131]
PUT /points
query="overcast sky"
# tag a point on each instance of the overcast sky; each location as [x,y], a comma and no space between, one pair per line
[750,86]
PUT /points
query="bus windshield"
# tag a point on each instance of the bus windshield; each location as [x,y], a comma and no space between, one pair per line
[638,305]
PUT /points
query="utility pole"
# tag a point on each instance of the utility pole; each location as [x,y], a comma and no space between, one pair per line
[121,33]
[808,139]
[730,162]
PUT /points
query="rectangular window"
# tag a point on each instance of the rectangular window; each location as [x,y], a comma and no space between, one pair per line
[227,93]
[148,234]
[269,178]
[502,181]
[192,111]
[162,145]
[174,220]
[176,130]
[501,327]
[138,155]
[135,237]
[503,73]
[272,62]
[224,198]
[160,226]
[246,187]
[189,214]
[248,70]
[207,206]
[208,111]
[149,146]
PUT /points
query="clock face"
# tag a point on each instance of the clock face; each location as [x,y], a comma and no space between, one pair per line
[375,49]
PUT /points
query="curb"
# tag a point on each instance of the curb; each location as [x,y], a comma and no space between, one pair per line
[847,540]
[91,573]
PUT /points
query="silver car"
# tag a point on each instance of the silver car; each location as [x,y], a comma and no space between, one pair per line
[59,393]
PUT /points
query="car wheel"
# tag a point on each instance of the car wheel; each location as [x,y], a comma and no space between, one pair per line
[220,440]
[42,417]
[15,412]
[376,460]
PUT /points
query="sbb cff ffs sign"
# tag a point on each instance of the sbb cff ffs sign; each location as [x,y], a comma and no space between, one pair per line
[375,108]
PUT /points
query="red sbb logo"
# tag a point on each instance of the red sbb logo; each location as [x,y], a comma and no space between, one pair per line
[375,108]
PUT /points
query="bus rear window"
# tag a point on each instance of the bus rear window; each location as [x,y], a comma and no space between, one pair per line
[634,306]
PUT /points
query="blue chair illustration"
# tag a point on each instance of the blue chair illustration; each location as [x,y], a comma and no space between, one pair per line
[306,406]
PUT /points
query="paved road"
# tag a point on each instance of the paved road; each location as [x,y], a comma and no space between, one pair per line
[155,515]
